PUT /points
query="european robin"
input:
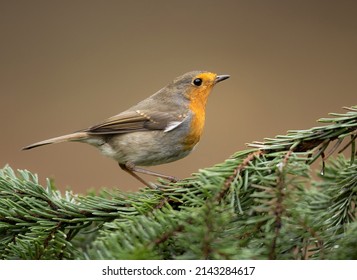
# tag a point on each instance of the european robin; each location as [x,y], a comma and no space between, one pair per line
[162,128]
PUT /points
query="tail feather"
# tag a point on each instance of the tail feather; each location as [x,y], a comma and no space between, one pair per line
[77,136]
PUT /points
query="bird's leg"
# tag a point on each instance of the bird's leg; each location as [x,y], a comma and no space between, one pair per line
[149,172]
[131,168]
[131,172]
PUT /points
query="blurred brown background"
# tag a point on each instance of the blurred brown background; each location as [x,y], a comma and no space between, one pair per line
[65,65]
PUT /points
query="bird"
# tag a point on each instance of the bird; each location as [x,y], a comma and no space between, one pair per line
[162,128]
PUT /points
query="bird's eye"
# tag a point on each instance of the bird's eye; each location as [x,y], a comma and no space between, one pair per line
[197,82]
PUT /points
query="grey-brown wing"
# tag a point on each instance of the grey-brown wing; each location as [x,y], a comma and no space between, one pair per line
[138,120]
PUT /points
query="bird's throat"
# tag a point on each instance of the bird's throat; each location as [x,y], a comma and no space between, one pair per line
[198,108]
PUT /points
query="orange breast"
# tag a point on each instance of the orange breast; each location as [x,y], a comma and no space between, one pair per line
[197,107]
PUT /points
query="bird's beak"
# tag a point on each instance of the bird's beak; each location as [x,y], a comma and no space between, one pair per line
[220,78]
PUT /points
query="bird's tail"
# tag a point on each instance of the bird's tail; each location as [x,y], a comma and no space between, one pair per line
[77,136]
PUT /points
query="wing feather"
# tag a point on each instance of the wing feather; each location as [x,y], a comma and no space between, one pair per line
[132,121]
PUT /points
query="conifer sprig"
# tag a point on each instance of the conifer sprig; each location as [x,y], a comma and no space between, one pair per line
[260,203]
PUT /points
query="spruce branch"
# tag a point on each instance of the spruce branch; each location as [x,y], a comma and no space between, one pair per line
[261,203]
[317,138]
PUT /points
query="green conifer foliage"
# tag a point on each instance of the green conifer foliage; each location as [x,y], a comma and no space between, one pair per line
[261,203]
